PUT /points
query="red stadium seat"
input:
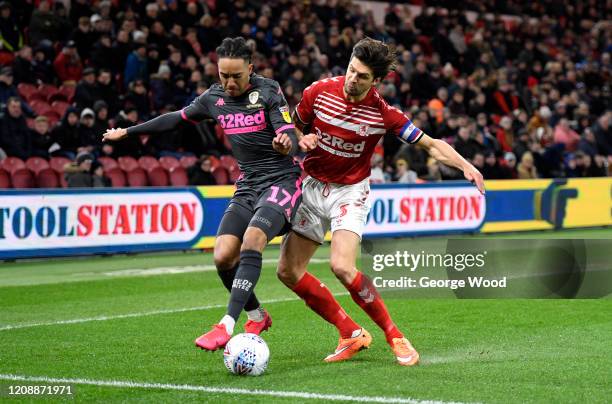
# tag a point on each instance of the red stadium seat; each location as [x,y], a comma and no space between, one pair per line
[148,162]
[221,175]
[108,163]
[67,91]
[23,178]
[48,90]
[11,164]
[137,177]
[158,177]
[40,107]
[127,163]
[116,175]
[169,162]
[35,164]
[178,177]
[37,96]
[25,90]
[58,163]
[5,179]
[228,161]
[188,161]
[60,107]
[47,178]
[57,97]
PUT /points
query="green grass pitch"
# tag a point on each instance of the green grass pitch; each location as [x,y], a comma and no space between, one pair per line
[128,319]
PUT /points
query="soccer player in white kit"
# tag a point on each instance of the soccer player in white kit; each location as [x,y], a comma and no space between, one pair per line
[349,117]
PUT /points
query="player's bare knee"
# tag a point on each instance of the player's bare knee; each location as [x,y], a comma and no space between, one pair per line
[254,239]
[224,259]
[344,272]
[286,273]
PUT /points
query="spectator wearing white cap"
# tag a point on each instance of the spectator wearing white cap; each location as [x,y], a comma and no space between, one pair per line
[90,140]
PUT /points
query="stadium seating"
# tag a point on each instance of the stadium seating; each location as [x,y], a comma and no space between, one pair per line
[40,106]
[11,164]
[60,107]
[136,177]
[158,177]
[117,176]
[108,162]
[148,162]
[47,90]
[127,163]
[47,178]
[58,163]
[221,175]
[178,176]
[35,164]
[188,161]
[22,178]
[169,162]
[5,179]
[67,91]
[25,90]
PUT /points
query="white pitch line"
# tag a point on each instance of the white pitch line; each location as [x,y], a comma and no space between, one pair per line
[130,315]
[221,390]
[173,270]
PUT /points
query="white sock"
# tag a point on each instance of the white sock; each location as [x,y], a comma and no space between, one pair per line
[256,315]
[229,323]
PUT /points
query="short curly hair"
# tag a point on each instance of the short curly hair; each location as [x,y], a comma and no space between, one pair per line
[378,56]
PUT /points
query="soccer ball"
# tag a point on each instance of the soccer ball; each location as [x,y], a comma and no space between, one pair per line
[246,355]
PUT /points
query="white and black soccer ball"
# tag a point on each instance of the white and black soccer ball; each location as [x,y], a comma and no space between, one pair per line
[246,355]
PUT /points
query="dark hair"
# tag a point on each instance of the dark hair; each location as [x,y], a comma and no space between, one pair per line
[234,48]
[378,56]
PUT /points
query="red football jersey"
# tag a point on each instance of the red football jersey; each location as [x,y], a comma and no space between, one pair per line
[348,132]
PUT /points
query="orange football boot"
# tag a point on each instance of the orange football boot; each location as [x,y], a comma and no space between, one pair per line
[405,354]
[348,347]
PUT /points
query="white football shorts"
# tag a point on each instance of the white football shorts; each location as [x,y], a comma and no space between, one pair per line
[335,206]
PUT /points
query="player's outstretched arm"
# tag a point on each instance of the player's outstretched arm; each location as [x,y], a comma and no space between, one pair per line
[162,123]
[445,154]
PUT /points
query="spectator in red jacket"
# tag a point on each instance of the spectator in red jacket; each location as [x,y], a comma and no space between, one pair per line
[505,135]
[67,64]
[505,98]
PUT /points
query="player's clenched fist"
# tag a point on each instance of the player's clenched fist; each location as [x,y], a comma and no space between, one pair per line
[114,134]
[308,142]
[281,143]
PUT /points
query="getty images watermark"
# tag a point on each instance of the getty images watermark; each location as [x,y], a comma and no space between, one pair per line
[416,264]
[475,267]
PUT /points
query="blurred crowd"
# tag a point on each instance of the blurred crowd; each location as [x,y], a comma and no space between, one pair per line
[520,89]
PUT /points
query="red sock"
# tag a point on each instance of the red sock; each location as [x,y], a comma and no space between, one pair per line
[365,295]
[319,298]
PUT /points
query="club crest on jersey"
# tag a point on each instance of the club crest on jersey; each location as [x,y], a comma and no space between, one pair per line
[284,110]
[253,97]
[220,102]
[363,130]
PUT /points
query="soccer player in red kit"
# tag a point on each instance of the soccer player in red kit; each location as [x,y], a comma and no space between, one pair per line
[349,117]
